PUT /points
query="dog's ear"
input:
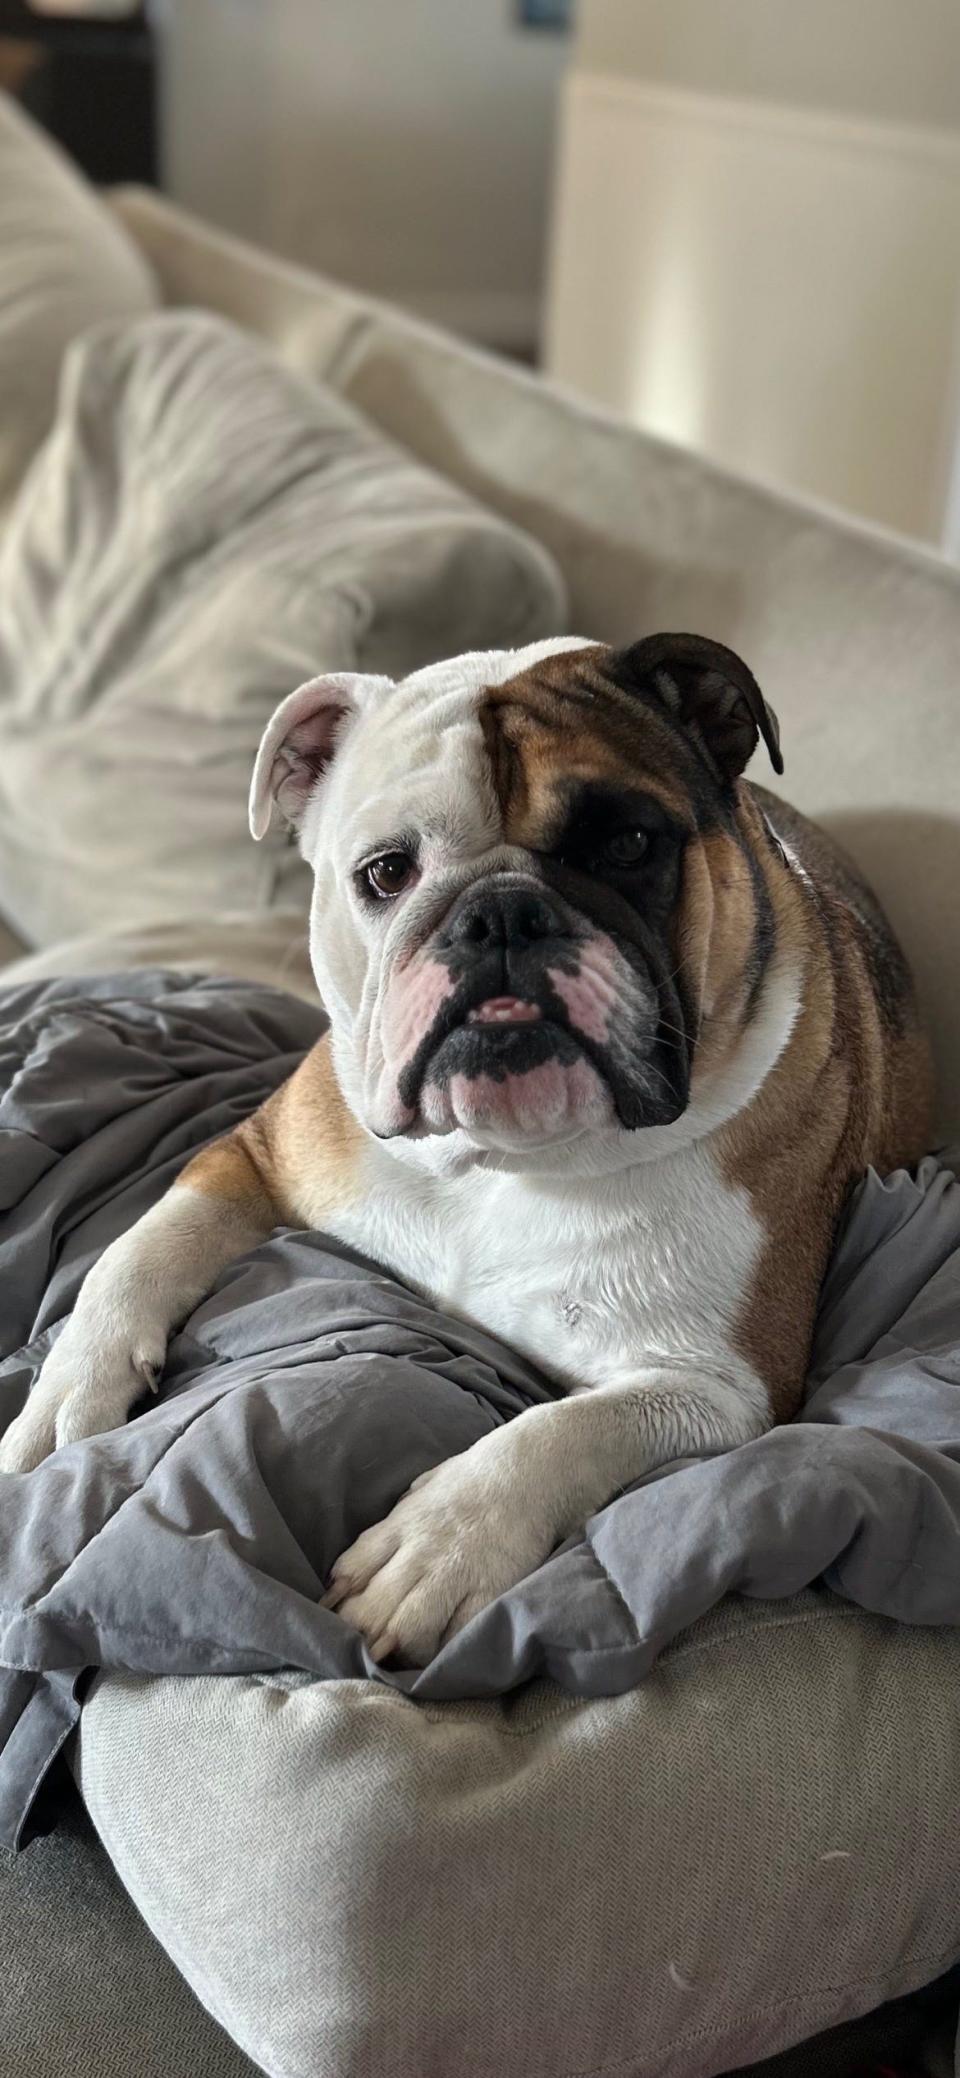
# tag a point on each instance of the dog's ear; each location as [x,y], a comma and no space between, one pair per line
[708,689]
[300,740]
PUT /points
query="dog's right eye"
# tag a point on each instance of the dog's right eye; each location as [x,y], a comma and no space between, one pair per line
[389,875]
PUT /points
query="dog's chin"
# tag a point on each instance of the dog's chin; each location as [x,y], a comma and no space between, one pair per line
[513,1089]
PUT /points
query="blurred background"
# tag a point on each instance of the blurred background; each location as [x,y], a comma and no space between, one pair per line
[734,222]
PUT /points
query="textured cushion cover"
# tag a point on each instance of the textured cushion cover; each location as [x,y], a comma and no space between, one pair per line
[201,531]
[63,1897]
[758,1842]
[65,263]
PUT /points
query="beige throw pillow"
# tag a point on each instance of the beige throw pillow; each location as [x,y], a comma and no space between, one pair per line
[203,530]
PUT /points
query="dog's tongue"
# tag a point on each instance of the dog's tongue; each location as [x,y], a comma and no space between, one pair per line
[504,1010]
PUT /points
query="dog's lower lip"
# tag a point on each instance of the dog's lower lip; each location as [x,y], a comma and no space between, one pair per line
[504,1010]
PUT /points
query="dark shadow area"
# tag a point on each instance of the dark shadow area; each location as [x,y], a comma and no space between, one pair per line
[912,861]
[914,2037]
[86,1988]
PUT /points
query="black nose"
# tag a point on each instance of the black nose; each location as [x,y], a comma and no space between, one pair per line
[510,917]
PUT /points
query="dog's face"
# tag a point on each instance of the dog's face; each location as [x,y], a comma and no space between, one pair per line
[525,863]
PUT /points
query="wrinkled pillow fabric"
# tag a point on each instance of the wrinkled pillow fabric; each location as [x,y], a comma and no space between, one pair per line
[201,531]
[65,264]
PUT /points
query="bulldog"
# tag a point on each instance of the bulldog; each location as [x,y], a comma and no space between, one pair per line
[611,1035]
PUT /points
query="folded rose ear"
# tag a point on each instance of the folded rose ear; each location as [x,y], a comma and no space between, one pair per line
[709,690]
[300,740]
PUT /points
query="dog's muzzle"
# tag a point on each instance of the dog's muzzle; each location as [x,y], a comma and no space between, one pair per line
[520,1021]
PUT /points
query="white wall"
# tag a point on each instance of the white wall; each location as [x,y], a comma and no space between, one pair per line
[402,145]
[895,60]
[757,240]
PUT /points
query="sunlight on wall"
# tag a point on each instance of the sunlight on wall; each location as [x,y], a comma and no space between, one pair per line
[666,372]
[777,289]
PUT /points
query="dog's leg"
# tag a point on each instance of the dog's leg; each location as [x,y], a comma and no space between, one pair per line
[474,1525]
[114,1344]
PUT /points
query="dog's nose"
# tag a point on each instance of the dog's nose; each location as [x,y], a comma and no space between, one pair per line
[511,917]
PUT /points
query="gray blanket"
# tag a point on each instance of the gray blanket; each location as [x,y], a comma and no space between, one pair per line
[304,1395]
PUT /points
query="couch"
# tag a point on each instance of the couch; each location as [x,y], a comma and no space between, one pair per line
[856,638]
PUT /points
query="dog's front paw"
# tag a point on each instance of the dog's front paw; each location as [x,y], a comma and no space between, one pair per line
[85,1387]
[462,1534]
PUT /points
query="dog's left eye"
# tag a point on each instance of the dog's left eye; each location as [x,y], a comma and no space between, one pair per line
[627,849]
[389,875]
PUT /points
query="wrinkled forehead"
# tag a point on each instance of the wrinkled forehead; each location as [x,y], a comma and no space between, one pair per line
[485,749]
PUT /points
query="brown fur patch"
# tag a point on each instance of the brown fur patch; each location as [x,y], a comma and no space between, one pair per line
[306,1143]
[291,1163]
[849,1092]
[226,1170]
[562,722]
[714,931]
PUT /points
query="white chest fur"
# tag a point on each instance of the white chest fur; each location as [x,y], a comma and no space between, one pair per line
[594,1280]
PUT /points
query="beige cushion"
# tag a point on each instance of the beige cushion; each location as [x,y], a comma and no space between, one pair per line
[65,263]
[201,532]
[758,1842]
[267,946]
